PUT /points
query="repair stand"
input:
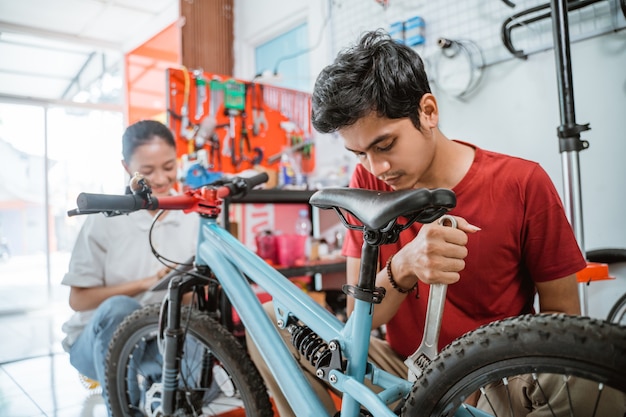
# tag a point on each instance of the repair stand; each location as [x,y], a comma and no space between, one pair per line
[569,131]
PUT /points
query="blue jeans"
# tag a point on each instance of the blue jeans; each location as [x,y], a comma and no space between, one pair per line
[89,351]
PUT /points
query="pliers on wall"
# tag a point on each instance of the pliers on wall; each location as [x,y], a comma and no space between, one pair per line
[214,154]
[243,139]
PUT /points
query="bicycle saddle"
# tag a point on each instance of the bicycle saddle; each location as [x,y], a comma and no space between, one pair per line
[375,209]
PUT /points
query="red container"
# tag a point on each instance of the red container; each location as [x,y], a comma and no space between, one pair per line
[266,247]
[290,249]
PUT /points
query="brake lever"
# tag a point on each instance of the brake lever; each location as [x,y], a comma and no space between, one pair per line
[140,186]
[78,212]
[113,213]
[427,349]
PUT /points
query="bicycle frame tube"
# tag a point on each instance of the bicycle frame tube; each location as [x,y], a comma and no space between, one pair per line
[231,262]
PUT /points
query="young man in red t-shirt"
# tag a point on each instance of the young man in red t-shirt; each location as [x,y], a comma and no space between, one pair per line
[513,240]
[524,242]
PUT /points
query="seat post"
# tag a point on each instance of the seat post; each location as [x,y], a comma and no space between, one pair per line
[369,264]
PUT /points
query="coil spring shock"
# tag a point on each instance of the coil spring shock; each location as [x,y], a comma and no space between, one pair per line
[310,345]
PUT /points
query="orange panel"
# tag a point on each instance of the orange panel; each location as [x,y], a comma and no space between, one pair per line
[594,272]
[145,70]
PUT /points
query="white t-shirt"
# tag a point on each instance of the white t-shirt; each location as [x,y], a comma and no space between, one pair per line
[115,250]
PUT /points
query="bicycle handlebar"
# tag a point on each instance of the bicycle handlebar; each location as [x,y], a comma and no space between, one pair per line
[205,199]
[88,202]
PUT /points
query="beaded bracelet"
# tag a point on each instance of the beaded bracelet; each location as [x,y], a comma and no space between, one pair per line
[393,282]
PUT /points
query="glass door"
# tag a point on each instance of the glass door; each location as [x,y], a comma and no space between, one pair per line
[48,154]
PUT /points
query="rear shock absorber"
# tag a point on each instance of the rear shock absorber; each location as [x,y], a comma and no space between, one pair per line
[310,345]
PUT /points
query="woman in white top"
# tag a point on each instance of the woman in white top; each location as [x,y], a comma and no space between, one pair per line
[112,264]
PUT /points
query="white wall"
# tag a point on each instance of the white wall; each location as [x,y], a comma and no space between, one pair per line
[515,111]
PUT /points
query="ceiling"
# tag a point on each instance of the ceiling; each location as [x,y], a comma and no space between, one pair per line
[72,50]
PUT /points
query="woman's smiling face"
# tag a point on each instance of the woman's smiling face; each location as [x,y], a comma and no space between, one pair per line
[155,161]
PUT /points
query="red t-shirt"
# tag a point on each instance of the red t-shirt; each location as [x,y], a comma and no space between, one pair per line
[525,237]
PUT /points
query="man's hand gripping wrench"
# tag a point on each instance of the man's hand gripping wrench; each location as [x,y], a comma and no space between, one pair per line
[427,349]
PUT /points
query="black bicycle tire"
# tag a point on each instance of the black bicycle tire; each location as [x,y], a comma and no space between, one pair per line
[591,348]
[222,343]
[618,311]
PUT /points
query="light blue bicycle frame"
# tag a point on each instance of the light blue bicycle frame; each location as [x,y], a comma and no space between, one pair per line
[232,262]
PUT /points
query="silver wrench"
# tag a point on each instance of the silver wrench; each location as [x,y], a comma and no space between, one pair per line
[427,349]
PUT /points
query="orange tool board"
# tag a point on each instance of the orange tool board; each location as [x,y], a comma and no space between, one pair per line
[273,119]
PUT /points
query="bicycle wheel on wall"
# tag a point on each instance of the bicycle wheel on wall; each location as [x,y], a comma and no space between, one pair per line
[618,311]
[567,364]
[216,374]
[617,314]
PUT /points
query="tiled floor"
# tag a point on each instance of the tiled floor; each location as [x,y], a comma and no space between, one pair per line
[36,378]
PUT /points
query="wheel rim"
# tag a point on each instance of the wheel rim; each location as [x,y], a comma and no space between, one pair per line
[552,390]
[142,394]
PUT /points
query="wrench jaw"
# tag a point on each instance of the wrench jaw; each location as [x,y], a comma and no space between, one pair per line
[416,363]
[260,122]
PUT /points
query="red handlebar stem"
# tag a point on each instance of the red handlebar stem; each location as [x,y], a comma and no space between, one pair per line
[203,200]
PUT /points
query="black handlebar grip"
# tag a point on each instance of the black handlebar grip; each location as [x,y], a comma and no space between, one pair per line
[257,180]
[238,186]
[91,203]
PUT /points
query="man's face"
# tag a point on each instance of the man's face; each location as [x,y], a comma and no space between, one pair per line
[393,150]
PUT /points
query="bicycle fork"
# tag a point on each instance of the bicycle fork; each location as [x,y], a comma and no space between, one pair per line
[173,347]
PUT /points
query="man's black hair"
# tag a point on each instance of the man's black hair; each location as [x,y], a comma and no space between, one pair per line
[377,74]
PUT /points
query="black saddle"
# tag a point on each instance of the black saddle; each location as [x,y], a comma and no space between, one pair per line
[376,209]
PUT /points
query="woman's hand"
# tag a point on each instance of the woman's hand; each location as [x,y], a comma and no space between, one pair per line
[83,299]
[150,281]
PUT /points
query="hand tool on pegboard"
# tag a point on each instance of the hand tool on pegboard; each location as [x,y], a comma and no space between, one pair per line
[234,105]
[276,157]
[244,139]
[186,129]
[258,112]
[201,94]
[296,142]
[215,157]
[195,163]
[206,129]
[228,148]
[216,98]
[216,95]
[215,151]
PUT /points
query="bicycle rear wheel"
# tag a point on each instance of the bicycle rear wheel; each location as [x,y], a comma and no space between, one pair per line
[216,375]
[568,364]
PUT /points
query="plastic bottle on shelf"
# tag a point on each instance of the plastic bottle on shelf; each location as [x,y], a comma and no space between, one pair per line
[303,223]
[288,170]
[303,230]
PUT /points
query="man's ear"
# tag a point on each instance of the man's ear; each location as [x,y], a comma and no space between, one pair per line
[429,111]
